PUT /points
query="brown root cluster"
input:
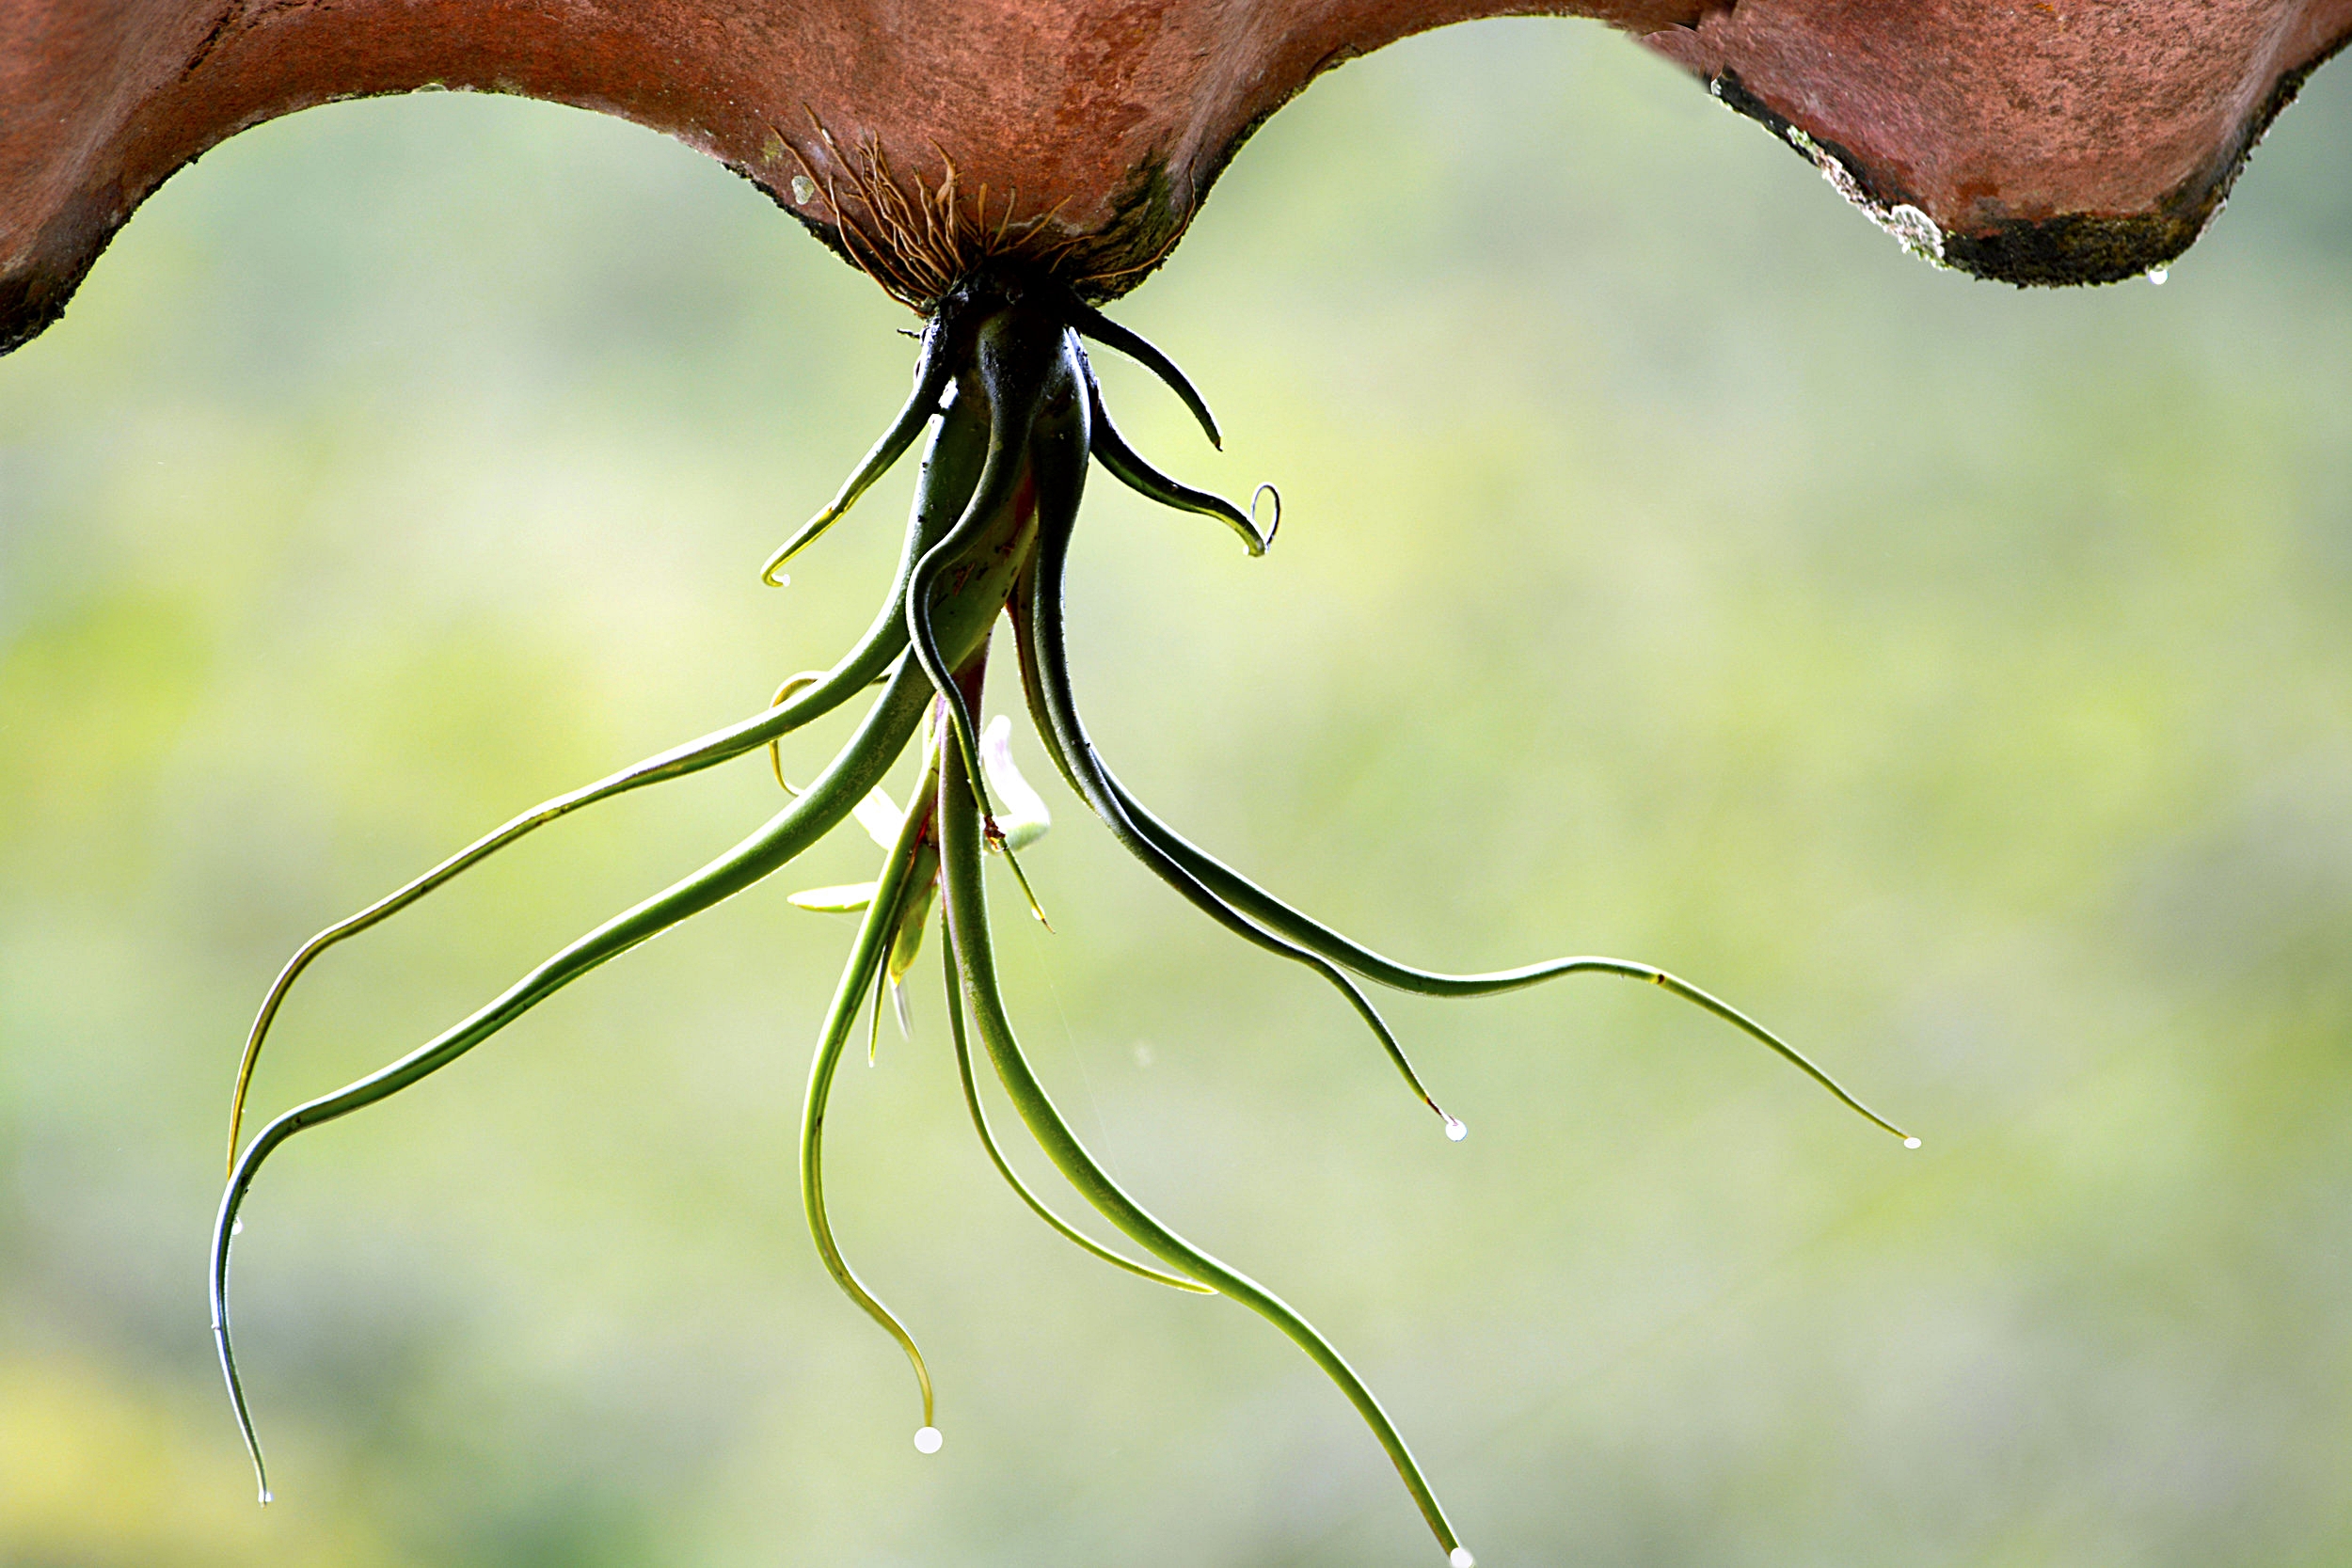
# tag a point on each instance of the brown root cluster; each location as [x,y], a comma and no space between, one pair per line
[918,242]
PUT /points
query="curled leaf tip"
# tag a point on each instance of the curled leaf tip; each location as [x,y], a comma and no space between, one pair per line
[771,574]
[1275,525]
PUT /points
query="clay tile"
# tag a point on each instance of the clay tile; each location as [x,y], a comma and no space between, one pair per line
[2068,141]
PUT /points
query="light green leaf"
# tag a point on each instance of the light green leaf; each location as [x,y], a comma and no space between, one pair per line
[846,899]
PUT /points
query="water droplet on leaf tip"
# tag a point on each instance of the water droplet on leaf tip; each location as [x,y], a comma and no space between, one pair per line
[1460,1558]
[1911,1143]
[266,1498]
[927,1440]
[1456,1129]
[2157,275]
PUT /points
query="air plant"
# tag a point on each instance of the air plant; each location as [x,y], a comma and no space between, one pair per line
[1014,415]
[2097,159]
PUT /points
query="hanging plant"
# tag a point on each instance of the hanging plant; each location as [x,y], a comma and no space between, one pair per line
[1006,172]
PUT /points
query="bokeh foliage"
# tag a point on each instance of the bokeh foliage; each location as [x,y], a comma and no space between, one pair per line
[1959,678]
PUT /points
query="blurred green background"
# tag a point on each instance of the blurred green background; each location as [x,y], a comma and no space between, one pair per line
[1959,678]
